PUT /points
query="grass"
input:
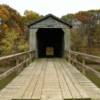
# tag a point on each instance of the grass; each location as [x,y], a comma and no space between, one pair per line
[93,78]
[6,80]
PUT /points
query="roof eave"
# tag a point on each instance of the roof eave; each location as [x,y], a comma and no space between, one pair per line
[49,15]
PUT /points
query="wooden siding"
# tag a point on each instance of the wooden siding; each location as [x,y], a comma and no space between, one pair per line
[49,23]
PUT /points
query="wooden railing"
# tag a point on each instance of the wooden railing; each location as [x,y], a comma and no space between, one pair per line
[82,60]
[21,60]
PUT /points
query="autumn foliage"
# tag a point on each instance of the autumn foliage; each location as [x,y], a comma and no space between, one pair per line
[85,35]
[13,29]
[11,19]
[14,34]
[83,16]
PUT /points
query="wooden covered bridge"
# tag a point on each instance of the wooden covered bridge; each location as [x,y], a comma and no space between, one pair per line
[49,71]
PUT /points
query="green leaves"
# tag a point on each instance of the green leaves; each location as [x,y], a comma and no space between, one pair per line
[30,16]
[68,18]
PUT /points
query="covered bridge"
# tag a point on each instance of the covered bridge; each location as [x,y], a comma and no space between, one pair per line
[49,37]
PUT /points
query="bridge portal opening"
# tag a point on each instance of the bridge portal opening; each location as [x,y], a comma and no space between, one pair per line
[50,42]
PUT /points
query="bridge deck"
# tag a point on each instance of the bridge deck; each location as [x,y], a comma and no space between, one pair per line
[50,79]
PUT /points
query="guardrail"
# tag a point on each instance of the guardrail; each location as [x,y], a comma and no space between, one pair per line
[21,60]
[81,58]
[86,56]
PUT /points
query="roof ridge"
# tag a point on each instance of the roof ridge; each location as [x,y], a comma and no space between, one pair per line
[47,16]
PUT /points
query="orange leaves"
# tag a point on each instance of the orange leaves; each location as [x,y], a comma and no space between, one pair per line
[11,19]
[5,27]
[83,16]
[4,13]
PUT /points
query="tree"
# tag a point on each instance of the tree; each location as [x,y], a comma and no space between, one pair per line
[68,18]
[88,25]
[12,43]
[84,17]
[30,16]
[11,19]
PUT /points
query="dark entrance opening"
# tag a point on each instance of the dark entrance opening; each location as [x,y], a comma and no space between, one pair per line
[50,42]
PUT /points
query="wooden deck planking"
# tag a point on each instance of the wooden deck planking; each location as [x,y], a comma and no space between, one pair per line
[51,89]
[28,88]
[49,79]
[72,83]
[32,84]
[63,85]
[92,90]
[79,89]
[21,80]
[35,82]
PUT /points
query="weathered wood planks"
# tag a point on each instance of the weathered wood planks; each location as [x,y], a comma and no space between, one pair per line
[50,79]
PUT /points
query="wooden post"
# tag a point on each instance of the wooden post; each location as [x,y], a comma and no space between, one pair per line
[26,63]
[83,61]
[75,58]
[83,69]
[69,57]
[72,59]
[30,56]
[17,61]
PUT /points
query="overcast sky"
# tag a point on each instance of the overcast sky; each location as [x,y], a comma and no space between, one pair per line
[56,7]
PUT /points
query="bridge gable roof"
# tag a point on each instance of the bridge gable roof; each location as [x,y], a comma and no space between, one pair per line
[49,21]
